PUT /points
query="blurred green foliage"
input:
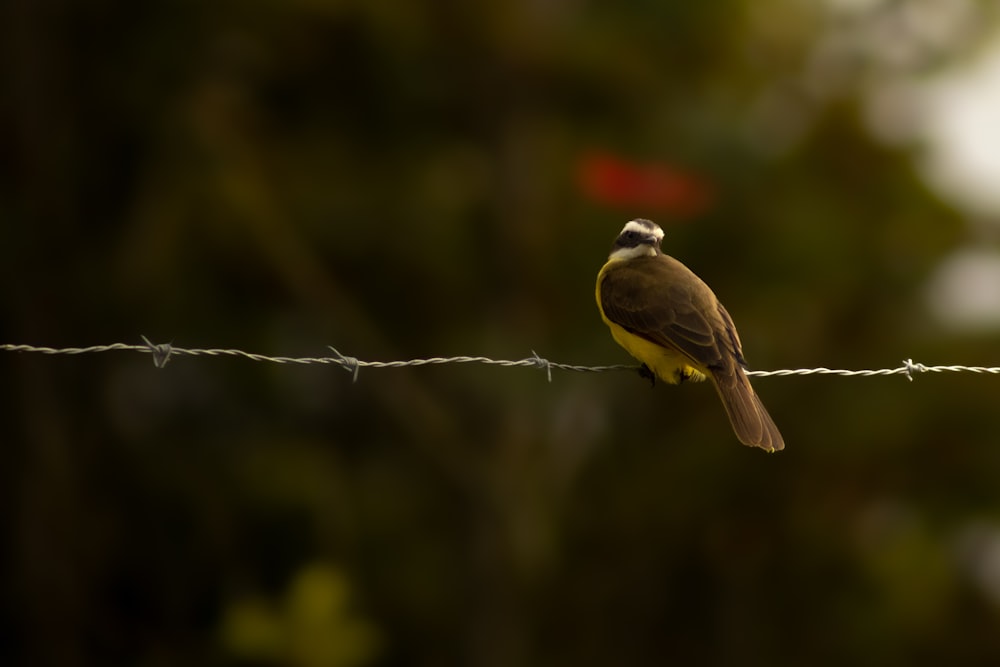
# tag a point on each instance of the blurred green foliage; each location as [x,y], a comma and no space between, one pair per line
[312,627]
[401,180]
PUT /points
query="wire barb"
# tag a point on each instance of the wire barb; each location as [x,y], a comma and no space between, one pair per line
[911,368]
[544,364]
[350,364]
[163,352]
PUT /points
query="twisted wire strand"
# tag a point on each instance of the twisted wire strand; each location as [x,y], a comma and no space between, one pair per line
[163,352]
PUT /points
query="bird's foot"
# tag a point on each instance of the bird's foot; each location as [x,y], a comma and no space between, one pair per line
[647,374]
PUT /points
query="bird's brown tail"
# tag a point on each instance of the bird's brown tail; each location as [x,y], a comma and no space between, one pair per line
[752,424]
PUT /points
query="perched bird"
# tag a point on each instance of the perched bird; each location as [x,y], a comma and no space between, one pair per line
[671,321]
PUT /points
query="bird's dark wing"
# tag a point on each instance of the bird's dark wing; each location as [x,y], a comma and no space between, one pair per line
[732,342]
[663,301]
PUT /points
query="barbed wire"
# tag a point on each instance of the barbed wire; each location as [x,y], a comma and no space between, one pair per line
[163,352]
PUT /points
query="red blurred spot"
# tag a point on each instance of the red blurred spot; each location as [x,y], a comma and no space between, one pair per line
[656,187]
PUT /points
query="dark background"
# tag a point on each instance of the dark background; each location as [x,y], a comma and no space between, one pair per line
[406,180]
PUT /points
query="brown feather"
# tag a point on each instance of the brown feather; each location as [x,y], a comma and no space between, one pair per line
[662,301]
[748,416]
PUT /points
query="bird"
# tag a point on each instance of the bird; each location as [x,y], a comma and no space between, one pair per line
[671,321]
